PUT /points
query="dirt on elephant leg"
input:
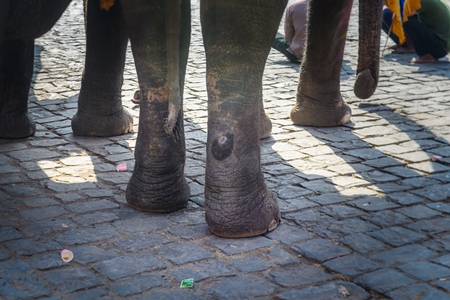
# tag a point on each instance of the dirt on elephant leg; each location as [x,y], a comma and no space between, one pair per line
[309,112]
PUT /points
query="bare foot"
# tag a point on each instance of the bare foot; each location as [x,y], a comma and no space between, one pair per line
[422,59]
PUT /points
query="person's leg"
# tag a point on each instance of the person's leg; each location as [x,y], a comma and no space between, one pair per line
[280,44]
[424,39]
[407,46]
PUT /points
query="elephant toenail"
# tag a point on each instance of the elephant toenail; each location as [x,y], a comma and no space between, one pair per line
[273,224]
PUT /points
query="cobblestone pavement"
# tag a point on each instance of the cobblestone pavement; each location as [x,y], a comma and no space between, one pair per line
[363,206]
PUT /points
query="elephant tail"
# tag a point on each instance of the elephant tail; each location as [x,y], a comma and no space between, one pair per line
[369,48]
[173,24]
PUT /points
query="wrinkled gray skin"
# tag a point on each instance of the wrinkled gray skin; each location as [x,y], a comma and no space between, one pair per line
[237,36]
[319,102]
[20,23]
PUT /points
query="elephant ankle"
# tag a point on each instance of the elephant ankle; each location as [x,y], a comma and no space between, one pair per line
[160,197]
[102,126]
[238,219]
[14,126]
[305,113]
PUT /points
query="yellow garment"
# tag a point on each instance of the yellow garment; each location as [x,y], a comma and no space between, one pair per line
[410,5]
[106,4]
[397,22]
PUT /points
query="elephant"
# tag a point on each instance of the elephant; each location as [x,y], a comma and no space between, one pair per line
[20,23]
[237,37]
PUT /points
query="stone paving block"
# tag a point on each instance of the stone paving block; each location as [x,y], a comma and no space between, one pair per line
[425,270]
[133,285]
[330,198]
[362,243]
[287,234]
[9,233]
[86,235]
[83,207]
[180,273]
[351,226]
[383,162]
[39,202]
[417,291]
[384,280]
[23,287]
[33,154]
[128,265]
[69,280]
[373,204]
[438,244]
[189,232]
[391,187]
[20,190]
[340,211]
[181,253]
[95,293]
[46,261]
[418,212]
[403,172]
[60,187]
[403,254]
[319,249]
[387,218]
[214,268]
[51,226]
[352,265]
[249,264]
[89,254]
[300,275]
[326,291]
[239,246]
[440,206]
[435,192]
[431,226]
[397,236]
[139,242]
[295,192]
[405,198]
[240,288]
[149,223]
[4,255]
[280,257]
[442,283]
[95,218]
[31,247]
[377,176]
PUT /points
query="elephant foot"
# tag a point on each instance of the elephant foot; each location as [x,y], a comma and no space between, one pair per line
[307,112]
[156,194]
[16,126]
[243,218]
[102,126]
[365,85]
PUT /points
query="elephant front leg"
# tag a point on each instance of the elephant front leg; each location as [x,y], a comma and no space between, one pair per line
[16,69]
[100,111]
[319,101]
[237,36]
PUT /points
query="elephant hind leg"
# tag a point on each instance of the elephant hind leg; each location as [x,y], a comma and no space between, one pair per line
[16,69]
